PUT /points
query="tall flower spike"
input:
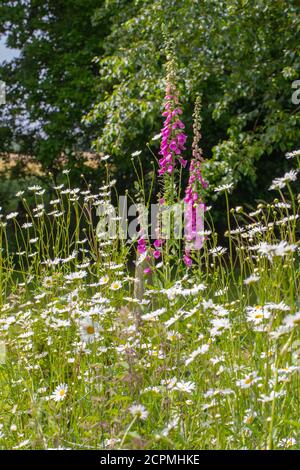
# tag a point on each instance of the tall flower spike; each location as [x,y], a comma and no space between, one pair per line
[173,139]
[173,136]
[194,206]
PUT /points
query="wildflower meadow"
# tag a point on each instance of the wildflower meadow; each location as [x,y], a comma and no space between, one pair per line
[129,331]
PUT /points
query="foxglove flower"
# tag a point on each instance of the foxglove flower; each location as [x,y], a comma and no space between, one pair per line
[173,141]
[173,137]
[194,207]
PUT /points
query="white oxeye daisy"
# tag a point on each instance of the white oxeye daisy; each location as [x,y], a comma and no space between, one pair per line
[156,137]
[218,250]
[103,280]
[76,276]
[223,187]
[201,350]
[151,316]
[279,183]
[48,282]
[139,411]
[173,335]
[116,285]
[251,279]
[292,320]
[27,225]
[287,442]
[60,392]
[12,215]
[88,330]
[186,387]
[295,153]
[219,325]
[136,153]
[273,395]
[73,296]
[280,249]
[257,314]
[249,417]
[248,381]
[22,444]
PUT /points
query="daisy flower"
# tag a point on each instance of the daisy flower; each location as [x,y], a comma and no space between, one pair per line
[186,387]
[12,215]
[292,320]
[281,249]
[116,285]
[224,187]
[251,279]
[48,282]
[295,153]
[103,280]
[88,331]
[151,316]
[73,296]
[219,325]
[136,154]
[201,350]
[139,411]
[171,425]
[60,392]
[27,225]
[279,183]
[287,442]
[273,395]
[248,381]
[257,314]
[249,417]
[76,276]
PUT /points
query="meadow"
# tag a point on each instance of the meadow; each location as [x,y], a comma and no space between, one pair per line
[116,342]
[207,357]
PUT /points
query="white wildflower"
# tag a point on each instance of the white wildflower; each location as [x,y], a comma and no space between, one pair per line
[140,411]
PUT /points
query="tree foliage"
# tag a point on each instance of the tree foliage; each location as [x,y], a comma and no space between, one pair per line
[242,56]
[52,84]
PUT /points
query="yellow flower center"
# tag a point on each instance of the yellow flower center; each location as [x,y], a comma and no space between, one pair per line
[250,420]
[90,330]
[248,380]
[62,393]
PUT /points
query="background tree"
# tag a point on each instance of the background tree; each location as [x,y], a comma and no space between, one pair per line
[242,56]
[52,84]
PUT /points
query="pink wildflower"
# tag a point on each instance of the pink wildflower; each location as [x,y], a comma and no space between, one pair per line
[194,207]
[173,138]
[142,246]
[158,243]
[187,261]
